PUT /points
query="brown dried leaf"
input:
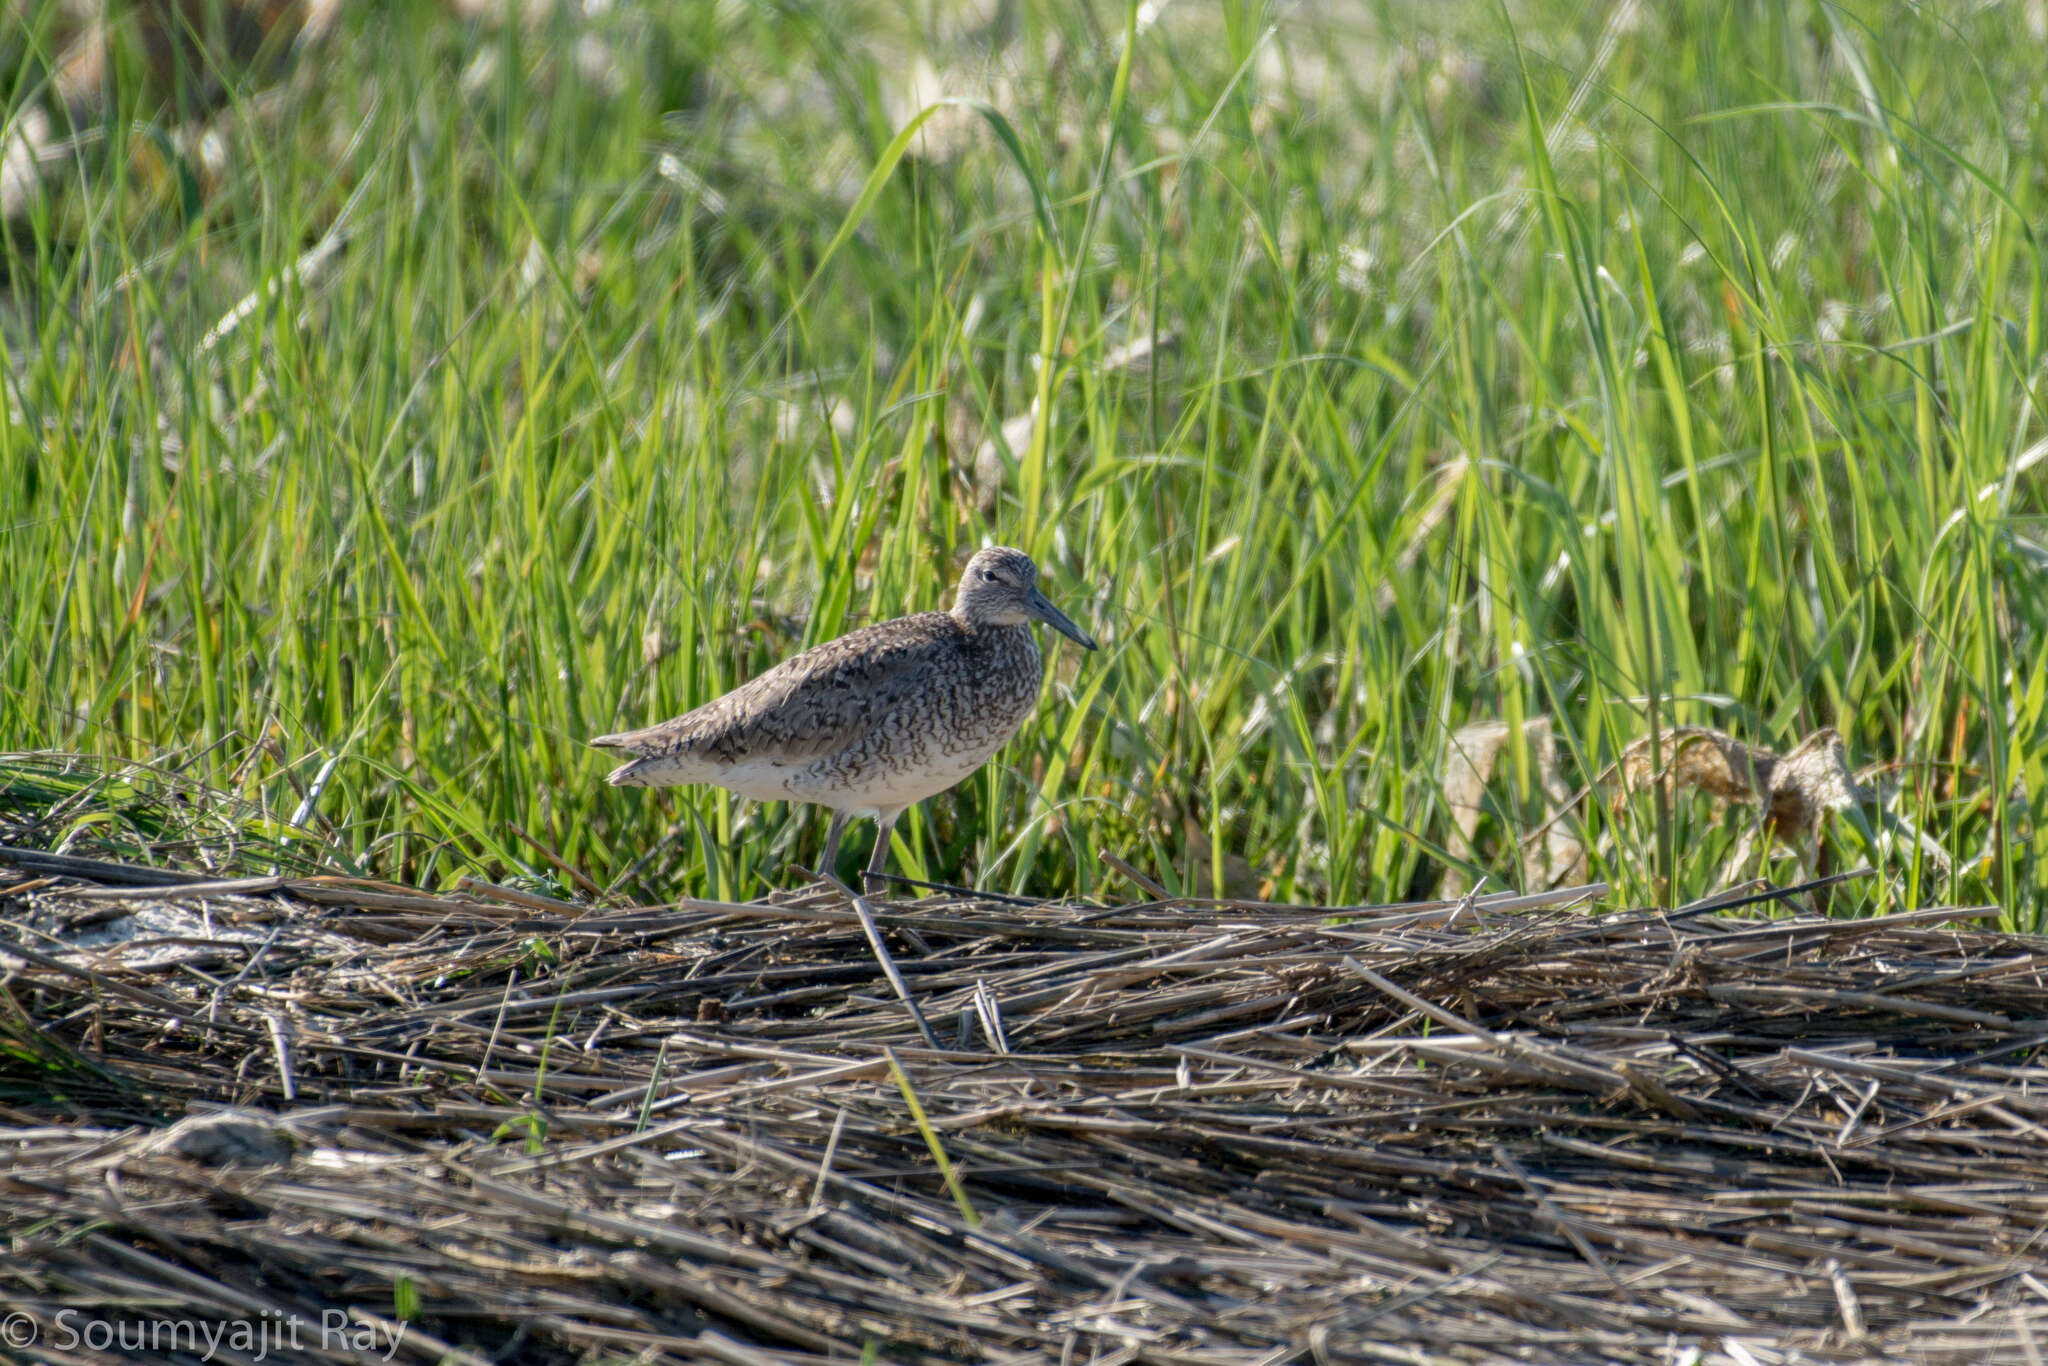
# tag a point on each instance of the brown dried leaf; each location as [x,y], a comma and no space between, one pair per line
[1795,790]
[1790,794]
[1560,857]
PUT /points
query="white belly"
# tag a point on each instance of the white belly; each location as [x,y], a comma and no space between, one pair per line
[883,787]
[902,789]
[891,789]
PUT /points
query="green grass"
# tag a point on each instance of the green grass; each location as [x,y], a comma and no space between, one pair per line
[626,382]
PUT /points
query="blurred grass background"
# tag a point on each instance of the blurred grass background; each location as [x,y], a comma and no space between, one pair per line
[387,412]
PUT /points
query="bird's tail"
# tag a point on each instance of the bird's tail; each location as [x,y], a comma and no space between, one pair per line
[631,774]
[661,769]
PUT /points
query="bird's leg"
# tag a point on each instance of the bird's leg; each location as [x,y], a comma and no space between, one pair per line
[829,860]
[885,823]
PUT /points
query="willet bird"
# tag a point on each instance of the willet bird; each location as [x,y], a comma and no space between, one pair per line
[875,721]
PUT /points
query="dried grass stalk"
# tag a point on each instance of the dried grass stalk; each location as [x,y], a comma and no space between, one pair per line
[1206,1132]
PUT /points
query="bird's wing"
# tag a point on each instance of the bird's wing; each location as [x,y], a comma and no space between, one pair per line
[810,704]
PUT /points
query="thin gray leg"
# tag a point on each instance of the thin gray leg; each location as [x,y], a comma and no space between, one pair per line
[885,824]
[828,862]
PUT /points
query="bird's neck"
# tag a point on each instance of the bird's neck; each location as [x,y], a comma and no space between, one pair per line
[1003,636]
[981,626]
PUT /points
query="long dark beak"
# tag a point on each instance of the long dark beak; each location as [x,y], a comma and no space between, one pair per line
[1042,608]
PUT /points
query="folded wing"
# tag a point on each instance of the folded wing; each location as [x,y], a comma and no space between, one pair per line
[813,704]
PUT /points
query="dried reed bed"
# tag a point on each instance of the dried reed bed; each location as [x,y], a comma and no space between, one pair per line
[1181,1132]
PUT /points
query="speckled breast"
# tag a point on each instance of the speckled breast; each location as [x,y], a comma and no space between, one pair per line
[969,702]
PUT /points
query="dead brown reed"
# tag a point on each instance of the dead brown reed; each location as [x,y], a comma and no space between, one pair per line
[1183,1132]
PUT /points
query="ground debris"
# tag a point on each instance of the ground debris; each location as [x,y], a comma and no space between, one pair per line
[1183,1131]
[1788,795]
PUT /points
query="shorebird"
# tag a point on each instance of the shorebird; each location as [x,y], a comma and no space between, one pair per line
[875,721]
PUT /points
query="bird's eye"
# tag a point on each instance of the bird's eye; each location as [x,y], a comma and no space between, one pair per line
[988,576]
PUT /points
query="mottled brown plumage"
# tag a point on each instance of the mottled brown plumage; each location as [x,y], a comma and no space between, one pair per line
[874,721]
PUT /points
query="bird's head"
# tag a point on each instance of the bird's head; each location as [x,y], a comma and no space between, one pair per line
[1000,588]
